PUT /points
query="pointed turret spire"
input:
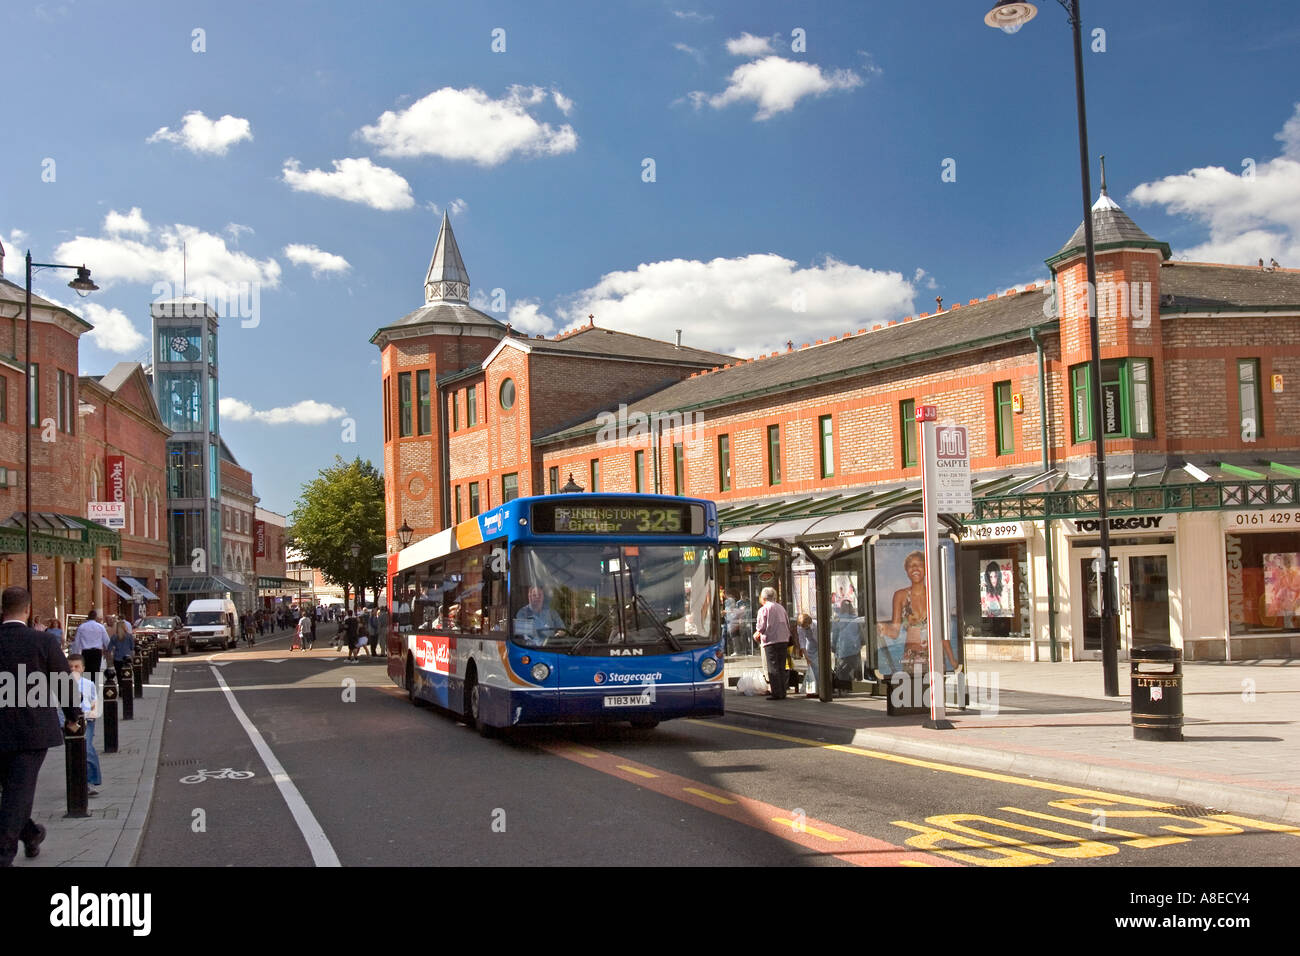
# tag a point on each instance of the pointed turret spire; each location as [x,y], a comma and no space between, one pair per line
[1111,228]
[447,280]
[1103,174]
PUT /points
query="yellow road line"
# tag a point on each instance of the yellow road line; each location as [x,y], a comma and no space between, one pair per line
[638,772]
[708,796]
[804,828]
[945,767]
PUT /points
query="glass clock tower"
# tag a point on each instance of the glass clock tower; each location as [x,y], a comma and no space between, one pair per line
[185,386]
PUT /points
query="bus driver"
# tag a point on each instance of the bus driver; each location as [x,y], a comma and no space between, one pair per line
[534,622]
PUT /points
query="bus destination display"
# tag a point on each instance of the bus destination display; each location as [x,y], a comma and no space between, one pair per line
[612,518]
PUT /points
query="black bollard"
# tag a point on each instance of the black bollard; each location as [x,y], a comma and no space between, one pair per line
[110,711]
[137,665]
[126,690]
[74,751]
[153,653]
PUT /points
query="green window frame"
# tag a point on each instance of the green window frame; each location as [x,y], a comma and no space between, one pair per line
[1125,388]
[4,399]
[595,475]
[388,414]
[907,432]
[773,454]
[509,487]
[473,498]
[459,519]
[424,420]
[471,406]
[1004,418]
[826,445]
[724,462]
[1250,400]
[404,404]
[638,471]
[553,480]
[679,469]
[455,411]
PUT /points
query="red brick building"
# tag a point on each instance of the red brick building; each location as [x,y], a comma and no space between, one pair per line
[124,453]
[238,508]
[68,550]
[817,448]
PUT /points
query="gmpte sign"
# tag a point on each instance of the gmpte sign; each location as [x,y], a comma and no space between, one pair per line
[913,691]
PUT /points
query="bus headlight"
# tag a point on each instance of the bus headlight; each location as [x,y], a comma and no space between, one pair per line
[709,665]
[540,672]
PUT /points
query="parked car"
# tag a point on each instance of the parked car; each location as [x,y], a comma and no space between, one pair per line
[170,633]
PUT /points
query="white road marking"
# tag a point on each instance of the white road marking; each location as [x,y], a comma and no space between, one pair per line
[322,852]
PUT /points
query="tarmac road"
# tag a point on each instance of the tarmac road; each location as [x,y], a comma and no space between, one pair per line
[345,770]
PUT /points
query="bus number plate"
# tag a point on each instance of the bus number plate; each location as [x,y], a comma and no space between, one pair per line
[628,700]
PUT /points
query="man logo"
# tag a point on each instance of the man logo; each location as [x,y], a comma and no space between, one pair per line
[626,651]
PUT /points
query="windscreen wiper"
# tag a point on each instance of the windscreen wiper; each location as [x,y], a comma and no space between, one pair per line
[663,628]
[587,632]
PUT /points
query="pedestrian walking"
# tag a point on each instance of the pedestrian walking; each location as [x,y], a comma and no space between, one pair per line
[91,641]
[26,733]
[121,648]
[350,625]
[311,632]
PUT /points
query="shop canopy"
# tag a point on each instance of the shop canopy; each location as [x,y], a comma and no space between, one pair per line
[115,589]
[1027,495]
[138,591]
[58,536]
[203,584]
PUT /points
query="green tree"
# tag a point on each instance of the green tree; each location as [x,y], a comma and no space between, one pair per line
[342,506]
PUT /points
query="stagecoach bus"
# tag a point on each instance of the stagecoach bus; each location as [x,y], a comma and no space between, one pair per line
[570,608]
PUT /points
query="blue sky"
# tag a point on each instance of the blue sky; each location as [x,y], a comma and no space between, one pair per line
[748,172]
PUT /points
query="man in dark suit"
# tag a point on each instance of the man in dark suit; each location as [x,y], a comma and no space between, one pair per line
[27,732]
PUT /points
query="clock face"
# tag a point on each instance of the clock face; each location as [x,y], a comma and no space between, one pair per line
[180,345]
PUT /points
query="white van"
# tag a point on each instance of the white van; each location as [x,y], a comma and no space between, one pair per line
[213,621]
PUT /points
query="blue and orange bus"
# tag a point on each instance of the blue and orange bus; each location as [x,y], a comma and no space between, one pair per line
[570,608]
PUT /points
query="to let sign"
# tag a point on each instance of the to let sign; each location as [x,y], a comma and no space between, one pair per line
[111,514]
[951,473]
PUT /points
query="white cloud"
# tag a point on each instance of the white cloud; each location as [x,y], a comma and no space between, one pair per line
[921,276]
[318,260]
[746,305]
[457,208]
[199,134]
[749,45]
[15,246]
[235,230]
[355,180]
[527,316]
[157,256]
[114,331]
[562,102]
[692,15]
[776,85]
[115,223]
[306,412]
[469,125]
[1248,218]
[689,51]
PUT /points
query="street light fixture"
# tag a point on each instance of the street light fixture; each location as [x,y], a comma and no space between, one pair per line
[356,553]
[1009,16]
[404,534]
[83,286]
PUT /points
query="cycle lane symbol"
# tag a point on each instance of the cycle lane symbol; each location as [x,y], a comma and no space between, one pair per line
[224,774]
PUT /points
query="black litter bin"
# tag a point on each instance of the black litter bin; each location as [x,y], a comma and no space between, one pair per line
[1156,694]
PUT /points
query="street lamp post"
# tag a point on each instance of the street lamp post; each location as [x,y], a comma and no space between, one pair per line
[83,287]
[1010,16]
[356,552]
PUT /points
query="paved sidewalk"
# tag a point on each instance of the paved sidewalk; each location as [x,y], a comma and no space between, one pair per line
[111,834]
[1241,750]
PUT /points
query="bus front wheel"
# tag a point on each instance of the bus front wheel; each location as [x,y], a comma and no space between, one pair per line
[473,712]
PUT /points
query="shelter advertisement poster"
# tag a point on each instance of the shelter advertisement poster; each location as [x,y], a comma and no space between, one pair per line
[902,606]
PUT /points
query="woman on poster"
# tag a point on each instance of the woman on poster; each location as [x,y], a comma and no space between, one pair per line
[908,629]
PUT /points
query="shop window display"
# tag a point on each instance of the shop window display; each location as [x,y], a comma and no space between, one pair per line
[995,588]
[1263,572]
